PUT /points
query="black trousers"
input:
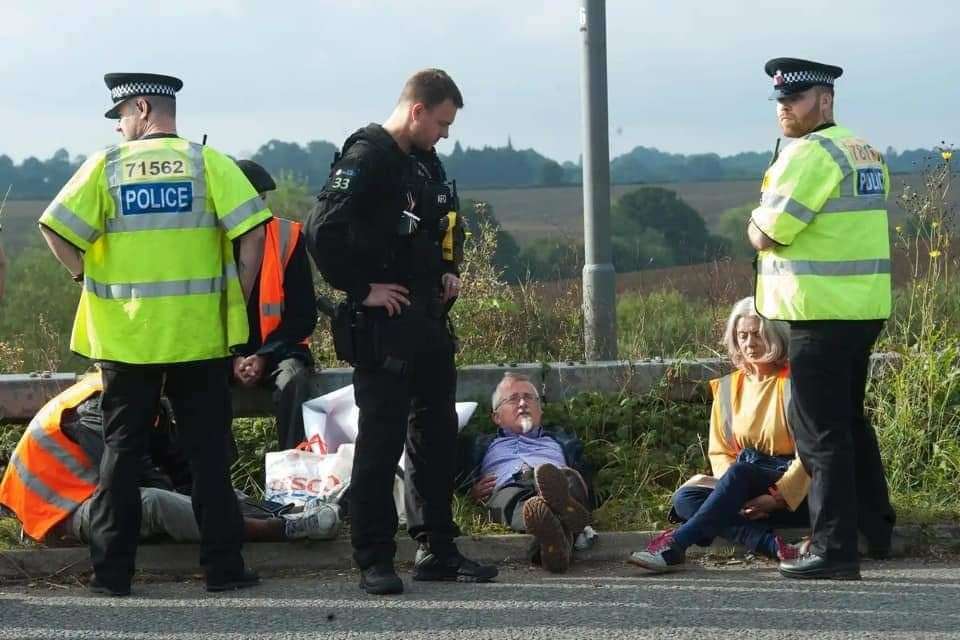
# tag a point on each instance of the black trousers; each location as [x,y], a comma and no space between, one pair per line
[292,386]
[415,409]
[199,394]
[829,362]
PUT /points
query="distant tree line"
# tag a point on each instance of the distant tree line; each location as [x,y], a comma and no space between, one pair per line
[652,228]
[35,179]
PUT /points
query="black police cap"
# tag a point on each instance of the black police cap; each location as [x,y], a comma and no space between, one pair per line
[259,177]
[793,75]
[130,85]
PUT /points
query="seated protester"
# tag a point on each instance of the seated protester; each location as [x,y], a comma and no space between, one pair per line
[758,480]
[54,469]
[282,312]
[524,475]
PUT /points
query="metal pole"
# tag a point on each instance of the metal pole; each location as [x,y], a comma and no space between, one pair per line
[599,278]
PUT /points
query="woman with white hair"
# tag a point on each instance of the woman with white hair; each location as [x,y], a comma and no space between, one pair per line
[758,481]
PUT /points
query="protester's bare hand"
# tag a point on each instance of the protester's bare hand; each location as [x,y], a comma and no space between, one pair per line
[392,297]
[760,507]
[451,287]
[483,488]
[238,369]
[252,369]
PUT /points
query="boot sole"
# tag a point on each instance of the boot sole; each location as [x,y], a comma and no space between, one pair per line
[390,590]
[107,591]
[421,577]
[552,486]
[544,525]
[232,586]
[824,574]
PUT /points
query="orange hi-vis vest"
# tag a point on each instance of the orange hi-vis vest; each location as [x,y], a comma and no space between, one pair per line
[281,240]
[49,475]
[725,388]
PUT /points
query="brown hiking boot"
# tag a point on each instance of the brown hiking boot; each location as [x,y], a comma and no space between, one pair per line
[577,485]
[542,523]
[552,486]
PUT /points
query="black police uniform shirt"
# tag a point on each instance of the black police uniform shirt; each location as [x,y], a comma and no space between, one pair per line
[353,229]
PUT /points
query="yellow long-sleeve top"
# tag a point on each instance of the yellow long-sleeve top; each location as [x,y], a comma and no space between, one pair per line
[758,421]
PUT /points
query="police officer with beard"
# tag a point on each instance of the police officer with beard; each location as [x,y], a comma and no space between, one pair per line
[385,231]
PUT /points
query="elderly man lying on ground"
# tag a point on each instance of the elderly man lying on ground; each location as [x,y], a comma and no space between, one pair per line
[53,473]
[530,478]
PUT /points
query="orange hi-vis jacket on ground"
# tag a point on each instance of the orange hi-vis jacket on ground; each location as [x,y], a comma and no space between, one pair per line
[49,475]
[281,240]
[747,413]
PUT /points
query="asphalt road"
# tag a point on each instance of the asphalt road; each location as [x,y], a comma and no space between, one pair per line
[897,599]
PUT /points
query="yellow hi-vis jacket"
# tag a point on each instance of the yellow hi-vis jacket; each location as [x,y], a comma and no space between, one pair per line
[49,475]
[155,219]
[824,204]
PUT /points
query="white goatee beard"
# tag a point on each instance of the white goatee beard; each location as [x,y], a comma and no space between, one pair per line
[526,423]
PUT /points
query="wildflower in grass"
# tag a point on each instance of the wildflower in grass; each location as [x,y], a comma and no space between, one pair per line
[935,253]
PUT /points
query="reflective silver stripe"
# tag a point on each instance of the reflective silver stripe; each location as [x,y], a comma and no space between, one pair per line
[787,398]
[853,204]
[197,286]
[72,221]
[269,309]
[195,151]
[114,171]
[242,212]
[726,406]
[285,229]
[157,221]
[54,448]
[840,158]
[779,202]
[38,487]
[772,267]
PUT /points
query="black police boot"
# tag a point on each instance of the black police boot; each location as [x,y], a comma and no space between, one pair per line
[446,563]
[96,586]
[380,580]
[229,582]
[814,567]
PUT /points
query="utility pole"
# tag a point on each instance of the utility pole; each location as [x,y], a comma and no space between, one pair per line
[599,278]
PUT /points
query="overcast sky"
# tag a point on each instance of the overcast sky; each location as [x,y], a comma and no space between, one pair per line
[684,76]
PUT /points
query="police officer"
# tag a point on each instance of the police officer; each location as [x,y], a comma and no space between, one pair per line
[824,266]
[146,227]
[381,232]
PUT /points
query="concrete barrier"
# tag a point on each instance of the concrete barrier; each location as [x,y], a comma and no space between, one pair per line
[22,395]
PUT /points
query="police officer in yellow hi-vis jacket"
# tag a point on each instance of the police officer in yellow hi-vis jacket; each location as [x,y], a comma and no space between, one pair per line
[824,266]
[146,227]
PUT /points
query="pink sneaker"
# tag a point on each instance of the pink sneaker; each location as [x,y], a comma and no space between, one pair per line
[660,541]
[786,551]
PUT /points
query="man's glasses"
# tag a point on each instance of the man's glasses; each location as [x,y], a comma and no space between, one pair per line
[517,397]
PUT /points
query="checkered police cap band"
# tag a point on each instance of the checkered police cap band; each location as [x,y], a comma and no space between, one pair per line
[790,77]
[122,91]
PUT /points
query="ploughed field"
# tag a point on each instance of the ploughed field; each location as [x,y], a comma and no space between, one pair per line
[537,212]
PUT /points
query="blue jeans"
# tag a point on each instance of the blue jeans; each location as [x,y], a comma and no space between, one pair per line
[716,512]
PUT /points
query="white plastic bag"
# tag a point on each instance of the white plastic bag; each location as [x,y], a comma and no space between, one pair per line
[334,417]
[294,476]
